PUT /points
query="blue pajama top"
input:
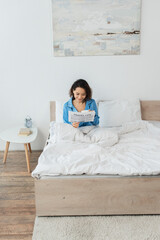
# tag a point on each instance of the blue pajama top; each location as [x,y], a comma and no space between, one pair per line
[90,104]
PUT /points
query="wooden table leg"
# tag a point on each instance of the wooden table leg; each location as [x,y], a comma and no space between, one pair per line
[29,146]
[6,152]
[27,157]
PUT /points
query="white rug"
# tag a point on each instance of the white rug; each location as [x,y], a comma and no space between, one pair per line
[97,228]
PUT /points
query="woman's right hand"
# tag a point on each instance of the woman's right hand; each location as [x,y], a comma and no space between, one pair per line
[75,124]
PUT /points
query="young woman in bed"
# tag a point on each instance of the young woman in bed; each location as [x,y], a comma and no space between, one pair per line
[80,100]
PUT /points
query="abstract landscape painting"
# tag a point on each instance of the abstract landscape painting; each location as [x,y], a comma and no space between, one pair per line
[96,27]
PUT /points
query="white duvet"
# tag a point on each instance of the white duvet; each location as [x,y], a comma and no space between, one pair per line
[133,149]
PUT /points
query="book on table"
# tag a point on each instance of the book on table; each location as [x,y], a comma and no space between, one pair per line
[24,132]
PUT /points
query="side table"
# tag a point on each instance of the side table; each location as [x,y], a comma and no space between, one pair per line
[11,135]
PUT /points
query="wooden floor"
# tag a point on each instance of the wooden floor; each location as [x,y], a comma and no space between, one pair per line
[17,201]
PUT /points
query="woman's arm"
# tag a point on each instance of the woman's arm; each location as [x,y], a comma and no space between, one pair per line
[65,117]
[65,114]
[93,107]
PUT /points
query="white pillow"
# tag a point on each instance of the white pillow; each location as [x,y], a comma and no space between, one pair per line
[114,113]
[51,128]
[59,110]
[155,123]
[59,116]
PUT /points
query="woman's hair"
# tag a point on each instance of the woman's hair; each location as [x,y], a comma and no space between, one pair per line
[82,84]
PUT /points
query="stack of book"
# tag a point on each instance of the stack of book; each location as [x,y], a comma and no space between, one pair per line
[24,132]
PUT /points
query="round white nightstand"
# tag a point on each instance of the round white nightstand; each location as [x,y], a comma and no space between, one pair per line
[11,135]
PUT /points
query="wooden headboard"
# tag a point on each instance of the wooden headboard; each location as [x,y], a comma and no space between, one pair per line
[150,110]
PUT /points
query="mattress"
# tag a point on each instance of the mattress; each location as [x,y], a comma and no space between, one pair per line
[85,176]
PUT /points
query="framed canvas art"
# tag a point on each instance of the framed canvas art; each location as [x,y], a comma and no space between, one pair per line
[96,27]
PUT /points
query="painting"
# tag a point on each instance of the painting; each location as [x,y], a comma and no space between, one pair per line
[96,27]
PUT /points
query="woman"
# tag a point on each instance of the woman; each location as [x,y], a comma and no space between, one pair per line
[80,100]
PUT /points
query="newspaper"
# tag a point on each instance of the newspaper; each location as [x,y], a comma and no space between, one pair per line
[84,116]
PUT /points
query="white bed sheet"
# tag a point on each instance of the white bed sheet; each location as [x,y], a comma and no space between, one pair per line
[136,153]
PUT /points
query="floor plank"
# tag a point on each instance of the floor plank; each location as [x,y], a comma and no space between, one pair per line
[16,237]
[17,199]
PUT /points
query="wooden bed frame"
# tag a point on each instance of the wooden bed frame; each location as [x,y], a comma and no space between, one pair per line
[100,195]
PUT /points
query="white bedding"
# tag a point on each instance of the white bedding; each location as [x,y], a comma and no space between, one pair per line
[133,149]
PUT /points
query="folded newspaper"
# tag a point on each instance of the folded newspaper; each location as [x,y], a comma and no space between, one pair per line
[84,116]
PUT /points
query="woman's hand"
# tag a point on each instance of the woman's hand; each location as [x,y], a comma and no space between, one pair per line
[75,124]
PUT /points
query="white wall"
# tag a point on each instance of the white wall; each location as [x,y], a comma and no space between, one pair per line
[30,76]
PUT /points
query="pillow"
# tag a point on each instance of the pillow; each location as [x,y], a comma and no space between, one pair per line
[155,123]
[59,116]
[59,110]
[51,129]
[114,113]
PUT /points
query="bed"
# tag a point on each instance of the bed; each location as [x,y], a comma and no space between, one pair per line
[100,194]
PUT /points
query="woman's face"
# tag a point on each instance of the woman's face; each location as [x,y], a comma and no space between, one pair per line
[79,94]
